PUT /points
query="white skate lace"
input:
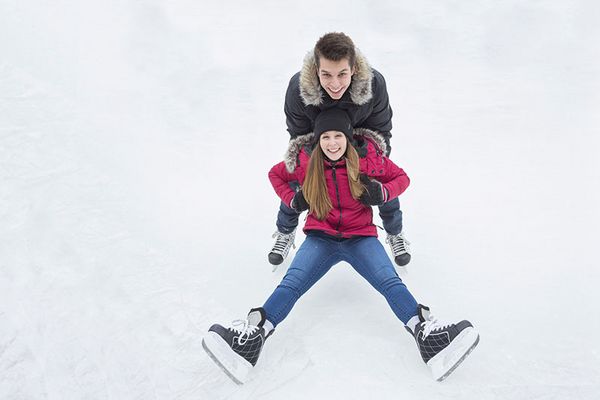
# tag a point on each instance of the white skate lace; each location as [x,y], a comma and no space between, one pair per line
[282,243]
[243,327]
[432,324]
[398,243]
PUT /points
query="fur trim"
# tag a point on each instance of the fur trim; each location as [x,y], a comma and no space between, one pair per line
[310,88]
[293,151]
[375,136]
[295,145]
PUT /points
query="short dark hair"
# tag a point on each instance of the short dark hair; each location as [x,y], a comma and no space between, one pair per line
[335,46]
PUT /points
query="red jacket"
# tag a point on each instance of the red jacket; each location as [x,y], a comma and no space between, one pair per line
[348,217]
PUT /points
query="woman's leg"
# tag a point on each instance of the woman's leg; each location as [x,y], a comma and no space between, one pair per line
[368,257]
[314,258]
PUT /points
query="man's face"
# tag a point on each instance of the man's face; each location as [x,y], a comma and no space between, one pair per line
[335,76]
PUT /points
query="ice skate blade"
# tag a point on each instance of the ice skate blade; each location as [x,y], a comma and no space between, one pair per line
[235,366]
[446,361]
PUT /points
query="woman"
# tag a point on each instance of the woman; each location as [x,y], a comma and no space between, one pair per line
[341,174]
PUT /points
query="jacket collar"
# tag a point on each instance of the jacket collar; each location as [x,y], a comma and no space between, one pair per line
[360,89]
[295,146]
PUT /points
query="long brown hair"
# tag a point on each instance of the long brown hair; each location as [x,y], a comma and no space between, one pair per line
[315,187]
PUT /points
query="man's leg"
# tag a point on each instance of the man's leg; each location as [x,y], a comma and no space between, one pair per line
[287,222]
[391,217]
[287,219]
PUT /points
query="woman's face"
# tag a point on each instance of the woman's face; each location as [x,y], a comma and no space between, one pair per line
[333,144]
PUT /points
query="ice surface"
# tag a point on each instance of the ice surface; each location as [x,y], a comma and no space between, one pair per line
[135,211]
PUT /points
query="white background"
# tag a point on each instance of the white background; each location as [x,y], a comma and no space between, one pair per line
[135,210]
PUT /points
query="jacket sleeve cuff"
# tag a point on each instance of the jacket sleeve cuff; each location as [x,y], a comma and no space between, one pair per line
[386,193]
[288,198]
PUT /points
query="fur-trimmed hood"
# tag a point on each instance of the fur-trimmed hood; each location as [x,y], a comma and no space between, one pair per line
[360,90]
[296,145]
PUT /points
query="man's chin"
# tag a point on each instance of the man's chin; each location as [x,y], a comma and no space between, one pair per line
[336,96]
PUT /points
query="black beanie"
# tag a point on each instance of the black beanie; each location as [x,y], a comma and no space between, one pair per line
[333,119]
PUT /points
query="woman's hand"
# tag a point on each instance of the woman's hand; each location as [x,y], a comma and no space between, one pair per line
[374,194]
[299,203]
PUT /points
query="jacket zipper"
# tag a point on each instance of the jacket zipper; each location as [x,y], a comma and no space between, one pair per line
[337,195]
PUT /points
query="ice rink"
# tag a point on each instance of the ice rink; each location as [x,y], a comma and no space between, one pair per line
[135,209]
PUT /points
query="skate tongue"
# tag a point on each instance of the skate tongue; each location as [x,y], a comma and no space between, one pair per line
[424,313]
[256,317]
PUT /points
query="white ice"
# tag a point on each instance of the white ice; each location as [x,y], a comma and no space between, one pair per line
[135,209]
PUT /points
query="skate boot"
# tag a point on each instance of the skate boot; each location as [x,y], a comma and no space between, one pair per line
[283,243]
[443,347]
[400,248]
[236,349]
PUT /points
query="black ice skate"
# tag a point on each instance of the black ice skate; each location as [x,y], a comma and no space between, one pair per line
[400,248]
[443,347]
[236,348]
[283,243]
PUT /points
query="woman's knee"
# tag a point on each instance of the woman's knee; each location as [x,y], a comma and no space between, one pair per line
[387,277]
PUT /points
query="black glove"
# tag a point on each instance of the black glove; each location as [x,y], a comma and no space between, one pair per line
[374,194]
[299,203]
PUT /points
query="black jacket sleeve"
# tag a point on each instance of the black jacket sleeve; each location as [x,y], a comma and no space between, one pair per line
[296,119]
[380,119]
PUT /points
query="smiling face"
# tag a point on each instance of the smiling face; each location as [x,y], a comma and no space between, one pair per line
[335,76]
[333,144]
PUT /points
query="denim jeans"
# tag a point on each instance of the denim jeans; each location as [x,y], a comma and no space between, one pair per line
[319,253]
[390,213]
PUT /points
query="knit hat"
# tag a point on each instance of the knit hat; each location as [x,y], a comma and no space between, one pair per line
[333,119]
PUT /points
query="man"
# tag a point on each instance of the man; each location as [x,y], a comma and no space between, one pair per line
[335,74]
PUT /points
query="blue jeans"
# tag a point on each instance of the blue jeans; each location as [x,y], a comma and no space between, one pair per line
[319,253]
[390,213]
